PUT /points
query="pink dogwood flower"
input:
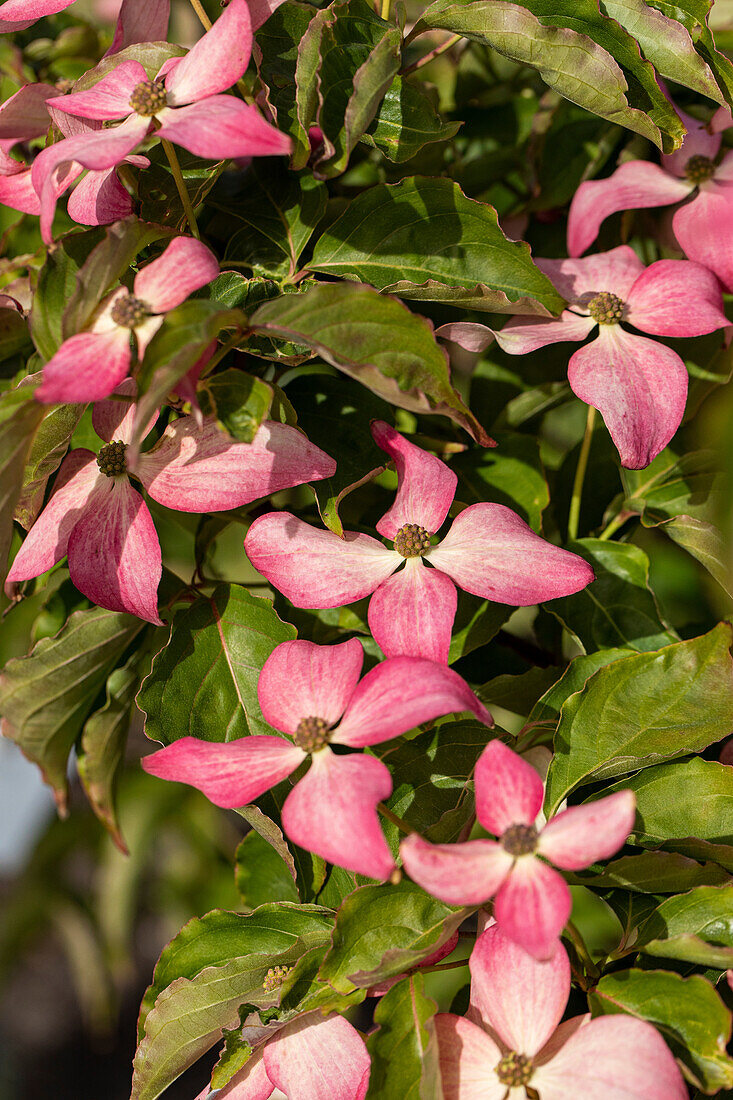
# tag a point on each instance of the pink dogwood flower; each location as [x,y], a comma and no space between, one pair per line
[639,386]
[313,694]
[532,900]
[104,526]
[23,116]
[310,1058]
[183,101]
[512,1040]
[703,227]
[488,551]
[16,15]
[90,365]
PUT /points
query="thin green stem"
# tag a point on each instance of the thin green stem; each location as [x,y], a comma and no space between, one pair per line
[203,17]
[455,965]
[612,527]
[574,514]
[401,825]
[181,187]
[447,45]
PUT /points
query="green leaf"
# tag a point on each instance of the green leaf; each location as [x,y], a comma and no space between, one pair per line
[287,56]
[688,807]
[658,873]
[476,623]
[430,775]
[384,930]
[270,225]
[14,335]
[672,486]
[335,414]
[105,265]
[49,446]
[239,401]
[261,874]
[577,52]
[177,346]
[151,55]
[644,709]
[211,968]
[618,609]
[56,286]
[705,543]
[374,339]
[20,417]
[696,927]
[404,1049]
[102,746]
[406,121]
[574,678]
[380,239]
[45,698]
[360,56]
[511,475]
[203,683]
[666,43]
[687,1011]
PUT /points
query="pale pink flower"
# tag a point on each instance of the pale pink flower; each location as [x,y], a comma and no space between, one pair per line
[183,100]
[638,385]
[310,1058]
[16,15]
[313,694]
[104,526]
[703,227]
[90,365]
[22,117]
[532,901]
[512,1039]
[488,551]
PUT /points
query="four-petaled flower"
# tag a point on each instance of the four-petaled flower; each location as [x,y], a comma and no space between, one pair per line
[638,385]
[310,1058]
[313,694]
[532,900]
[104,525]
[183,100]
[703,227]
[90,365]
[512,1040]
[489,551]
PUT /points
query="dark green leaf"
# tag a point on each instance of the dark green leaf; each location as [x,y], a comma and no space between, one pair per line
[511,475]
[14,334]
[203,683]
[574,678]
[287,57]
[380,239]
[239,401]
[374,339]
[476,623]
[56,286]
[696,927]
[20,417]
[407,121]
[262,875]
[688,1012]
[618,609]
[644,709]
[404,1049]
[50,444]
[46,697]
[658,873]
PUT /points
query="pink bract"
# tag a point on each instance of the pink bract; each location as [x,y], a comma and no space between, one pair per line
[488,551]
[638,385]
[513,1036]
[703,226]
[304,691]
[104,525]
[532,901]
[311,1058]
[90,365]
[184,99]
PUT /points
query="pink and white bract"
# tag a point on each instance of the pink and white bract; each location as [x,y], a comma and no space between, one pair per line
[90,365]
[489,551]
[513,1040]
[639,386]
[313,694]
[311,1058]
[532,900]
[104,526]
[184,101]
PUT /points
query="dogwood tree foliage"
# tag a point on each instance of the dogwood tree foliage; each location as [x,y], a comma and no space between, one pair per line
[363,420]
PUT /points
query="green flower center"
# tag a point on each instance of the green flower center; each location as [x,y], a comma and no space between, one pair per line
[412,541]
[606,308]
[698,169]
[111,459]
[520,840]
[129,312]
[275,977]
[312,734]
[148,97]
[515,1070]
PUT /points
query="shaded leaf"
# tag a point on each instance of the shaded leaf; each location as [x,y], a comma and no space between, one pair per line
[404,1049]
[48,449]
[56,286]
[406,121]
[658,873]
[261,874]
[511,475]
[20,418]
[696,927]
[239,401]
